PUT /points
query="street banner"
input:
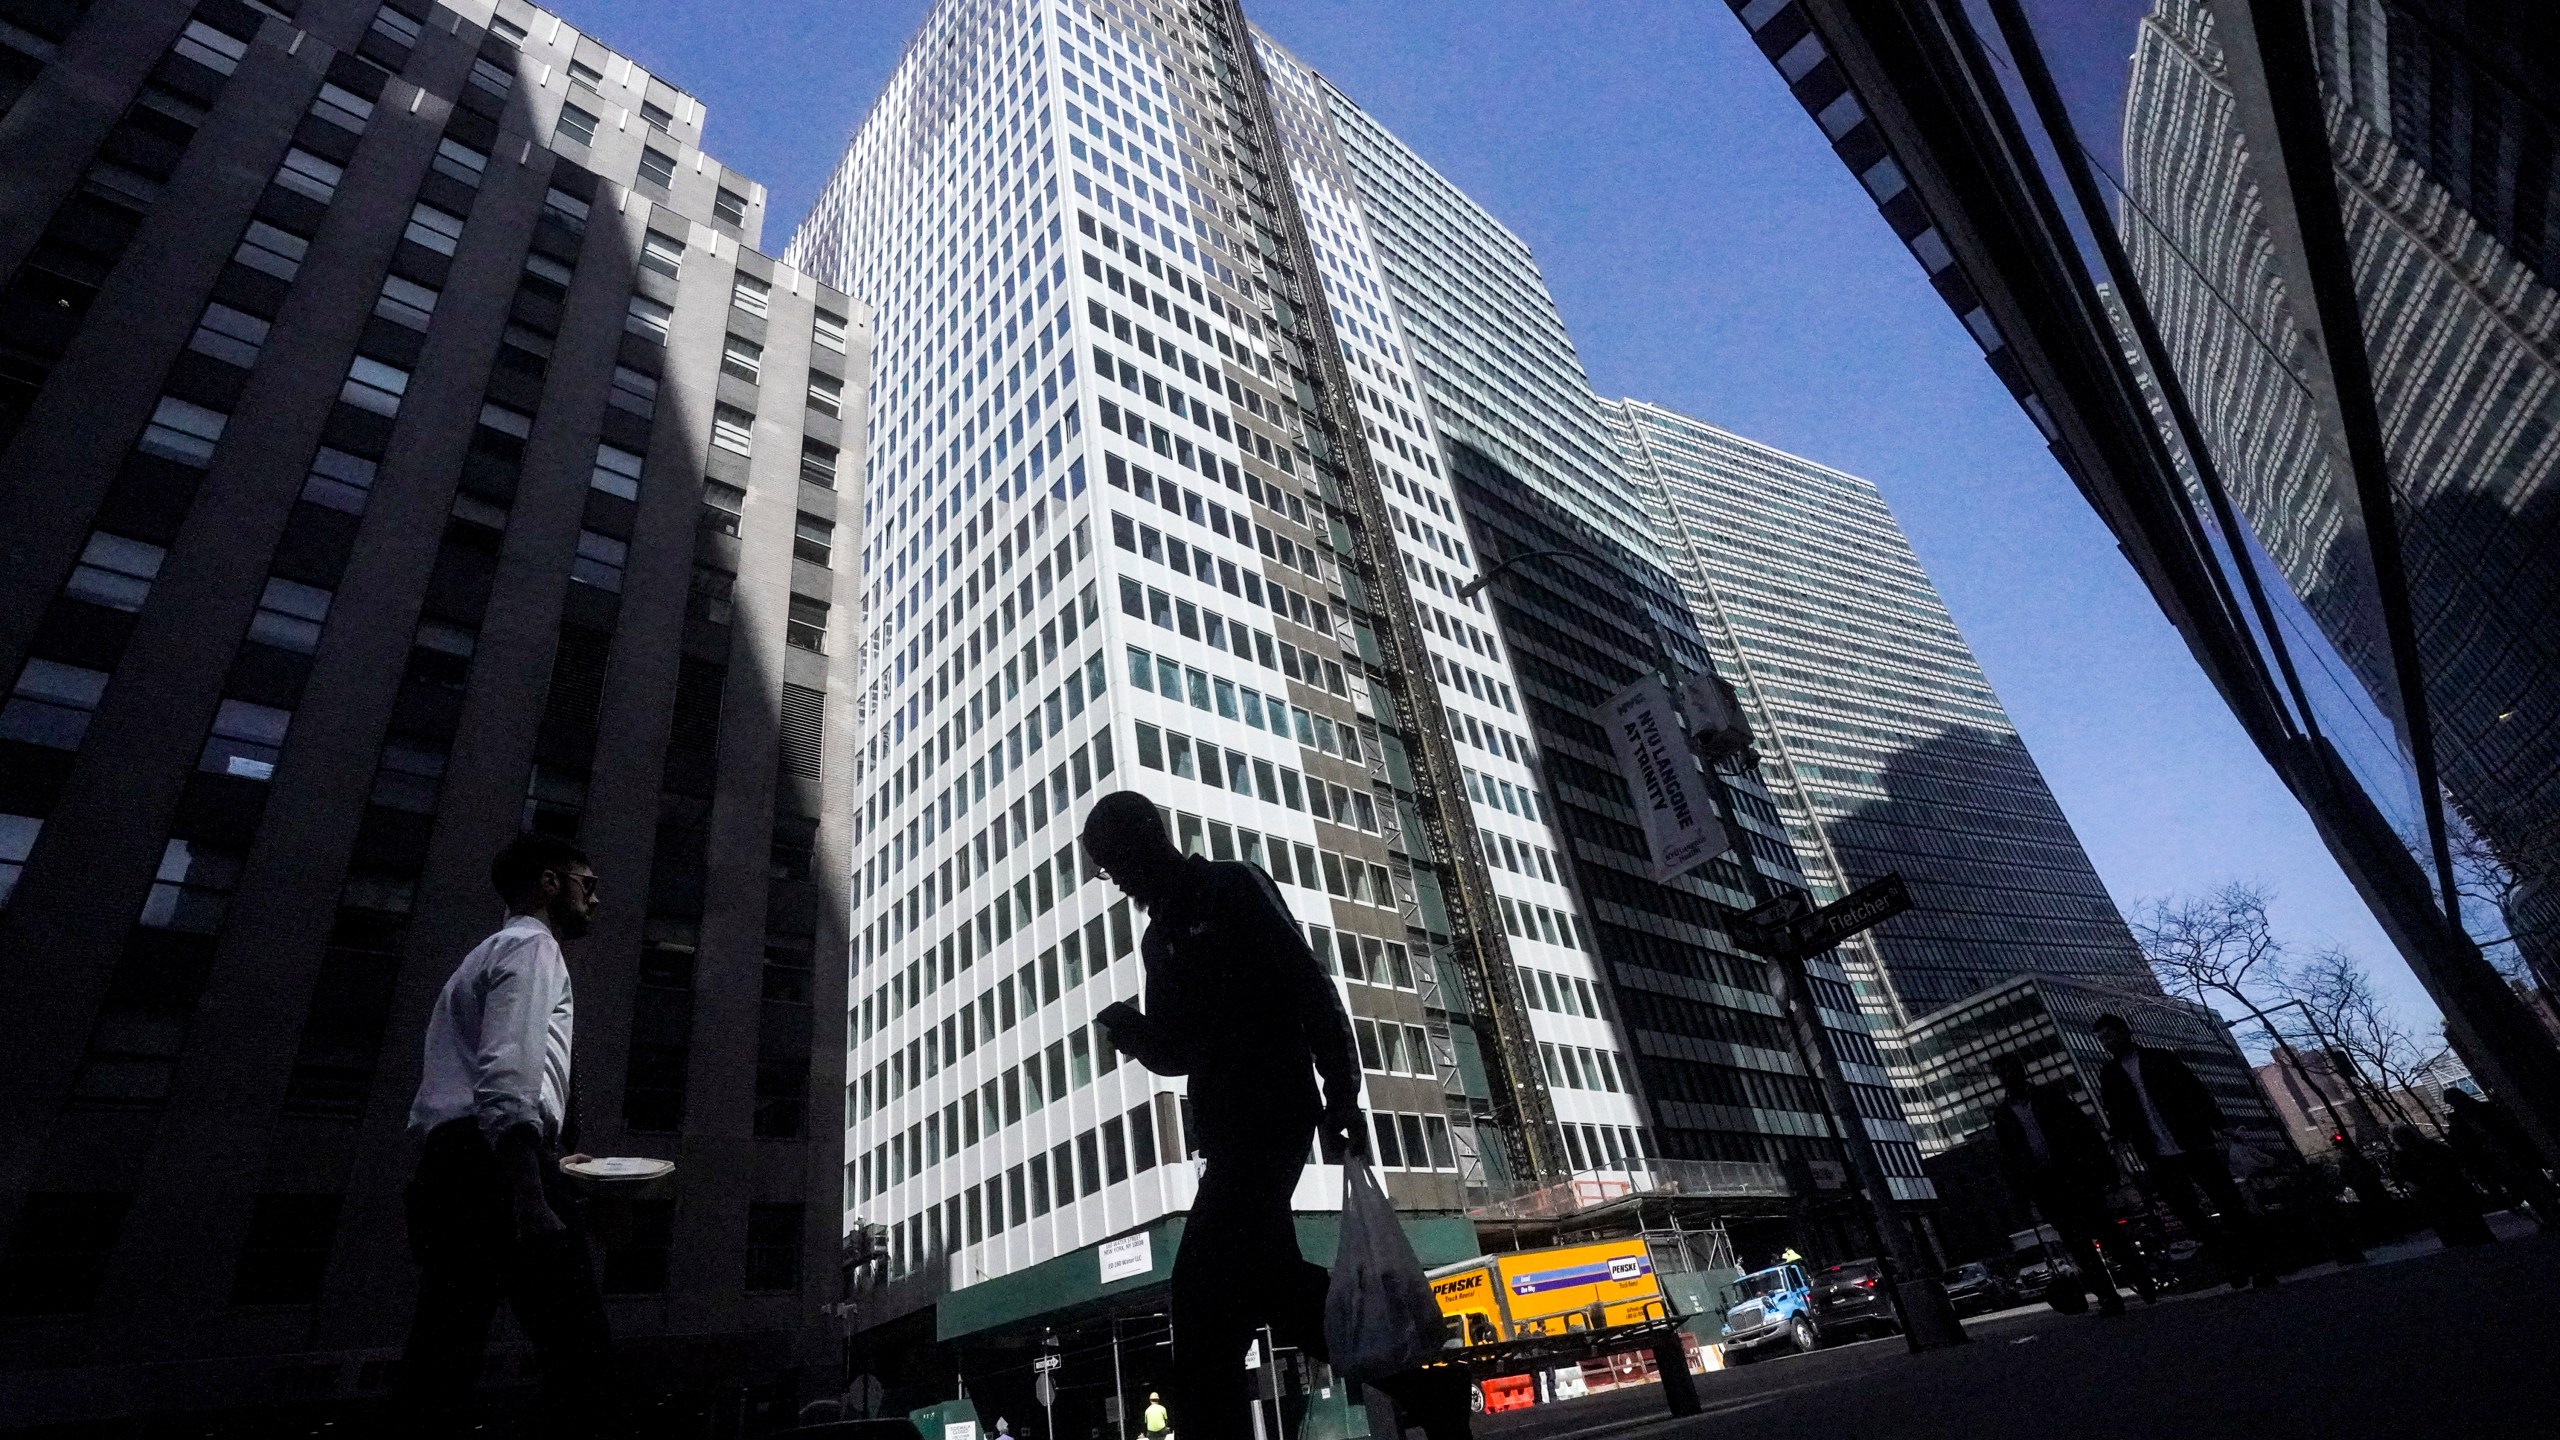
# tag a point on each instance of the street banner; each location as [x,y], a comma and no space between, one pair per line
[1670,793]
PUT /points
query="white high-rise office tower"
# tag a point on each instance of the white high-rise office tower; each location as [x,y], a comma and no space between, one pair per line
[1116,541]
[1159,501]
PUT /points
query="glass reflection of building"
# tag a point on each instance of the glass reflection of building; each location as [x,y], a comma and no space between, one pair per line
[2443,180]
[2295,343]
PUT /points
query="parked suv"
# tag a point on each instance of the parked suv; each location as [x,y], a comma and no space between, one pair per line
[1851,1297]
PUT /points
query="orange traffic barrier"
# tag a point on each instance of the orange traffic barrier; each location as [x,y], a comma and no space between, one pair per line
[1509,1392]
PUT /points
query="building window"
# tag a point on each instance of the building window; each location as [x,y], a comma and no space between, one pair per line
[657,167]
[828,331]
[58,1253]
[458,161]
[648,319]
[710,600]
[229,335]
[733,429]
[211,48]
[399,29]
[372,385]
[576,124]
[407,777]
[17,841]
[807,627]
[826,395]
[773,1246]
[437,230]
[525,349]
[751,294]
[192,888]
[290,614]
[723,507]
[814,540]
[634,391]
[245,740]
[568,209]
[308,174]
[635,1263]
[506,29]
[663,253]
[405,303]
[183,431]
[276,252]
[51,704]
[545,276]
[818,462]
[115,572]
[343,108]
[742,358]
[617,472]
[729,207]
[287,1250]
[339,480]
[495,79]
[600,561]
[655,115]
[582,73]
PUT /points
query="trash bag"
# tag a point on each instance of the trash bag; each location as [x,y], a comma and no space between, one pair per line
[1380,1317]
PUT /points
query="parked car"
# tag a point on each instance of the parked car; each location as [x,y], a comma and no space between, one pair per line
[1976,1288]
[1852,1298]
[2039,1256]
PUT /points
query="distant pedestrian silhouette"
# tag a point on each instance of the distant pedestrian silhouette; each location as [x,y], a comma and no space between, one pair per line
[2055,1156]
[2437,1187]
[2494,1148]
[2157,1105]
[1237,1002]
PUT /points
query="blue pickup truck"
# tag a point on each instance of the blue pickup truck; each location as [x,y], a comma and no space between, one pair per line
[1785,1305]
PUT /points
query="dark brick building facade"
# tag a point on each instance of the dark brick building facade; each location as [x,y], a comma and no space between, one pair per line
[404,444]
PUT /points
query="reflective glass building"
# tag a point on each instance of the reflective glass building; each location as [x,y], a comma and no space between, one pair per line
[1889,751]
[2274,279]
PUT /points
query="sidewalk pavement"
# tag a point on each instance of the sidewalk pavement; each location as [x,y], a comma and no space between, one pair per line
[2418,1341]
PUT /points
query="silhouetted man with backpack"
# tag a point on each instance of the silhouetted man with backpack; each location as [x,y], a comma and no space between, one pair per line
[1238,1003]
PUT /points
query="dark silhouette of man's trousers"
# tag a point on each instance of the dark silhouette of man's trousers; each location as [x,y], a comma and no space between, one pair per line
[1238,1270]
[462,1233]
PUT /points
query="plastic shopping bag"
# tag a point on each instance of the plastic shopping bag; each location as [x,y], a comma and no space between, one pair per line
[1379,1314]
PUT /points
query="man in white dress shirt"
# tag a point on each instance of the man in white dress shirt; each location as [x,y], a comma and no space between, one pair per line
[486,1211]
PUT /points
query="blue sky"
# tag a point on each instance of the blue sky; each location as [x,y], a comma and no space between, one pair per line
[1712,256]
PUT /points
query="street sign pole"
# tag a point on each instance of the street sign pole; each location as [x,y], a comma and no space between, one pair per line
[1044,1385]
[1928,1319]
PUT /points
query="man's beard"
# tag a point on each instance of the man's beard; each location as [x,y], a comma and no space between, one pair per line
[570,925]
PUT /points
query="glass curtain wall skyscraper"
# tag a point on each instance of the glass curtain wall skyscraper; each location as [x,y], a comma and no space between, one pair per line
[1892,751]
[1514,419]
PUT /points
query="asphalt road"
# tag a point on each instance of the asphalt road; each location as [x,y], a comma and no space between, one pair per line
[2463,1345]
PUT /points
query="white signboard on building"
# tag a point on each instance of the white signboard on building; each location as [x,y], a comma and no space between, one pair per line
[1128,1257]
[1670,793]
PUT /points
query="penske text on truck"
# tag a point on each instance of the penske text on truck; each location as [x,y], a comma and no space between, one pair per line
[1495,1298]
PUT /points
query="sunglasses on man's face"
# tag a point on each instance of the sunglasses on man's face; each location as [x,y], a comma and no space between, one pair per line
[587,880]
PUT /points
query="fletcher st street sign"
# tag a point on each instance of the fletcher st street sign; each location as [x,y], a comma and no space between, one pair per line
[1779,929]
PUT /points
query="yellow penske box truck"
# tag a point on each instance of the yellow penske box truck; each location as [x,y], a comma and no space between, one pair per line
[1554,1291]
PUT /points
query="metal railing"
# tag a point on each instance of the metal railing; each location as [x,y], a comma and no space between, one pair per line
[1593,1189]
